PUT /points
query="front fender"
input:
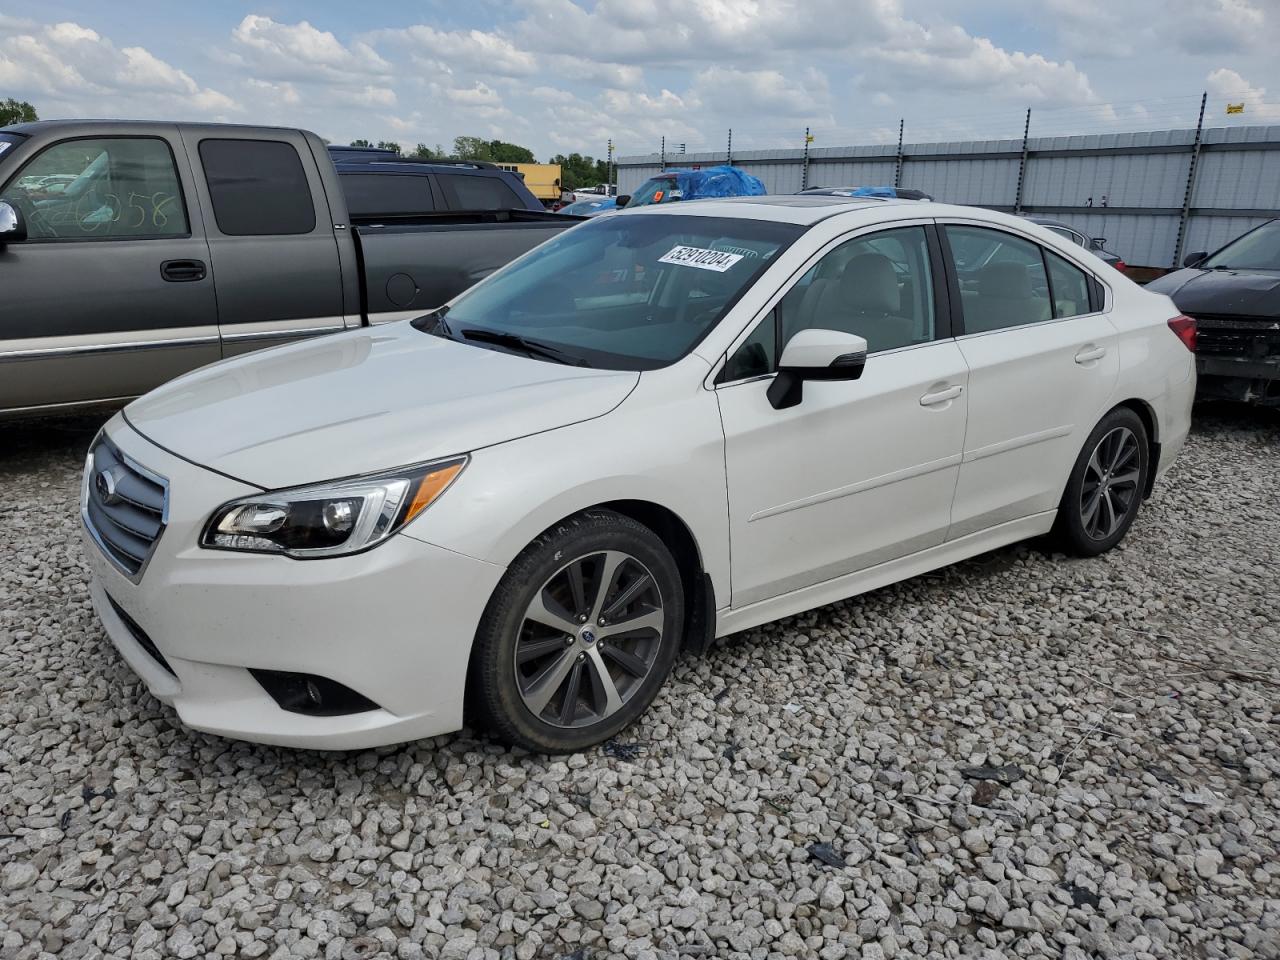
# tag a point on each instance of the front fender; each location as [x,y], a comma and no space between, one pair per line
[664,445]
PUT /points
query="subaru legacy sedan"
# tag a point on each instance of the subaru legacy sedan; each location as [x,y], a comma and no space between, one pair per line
[658,428]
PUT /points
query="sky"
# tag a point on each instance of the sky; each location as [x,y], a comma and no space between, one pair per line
[569,75]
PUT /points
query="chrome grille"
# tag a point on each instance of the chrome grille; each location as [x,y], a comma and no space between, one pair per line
[125,507]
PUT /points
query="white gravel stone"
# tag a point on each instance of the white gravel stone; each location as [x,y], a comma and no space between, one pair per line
[1134,692]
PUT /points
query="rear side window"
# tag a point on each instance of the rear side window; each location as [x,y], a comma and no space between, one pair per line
[1002,279]
[258,187]
[100,188]
[376,195]
[480,193]
[1070,287]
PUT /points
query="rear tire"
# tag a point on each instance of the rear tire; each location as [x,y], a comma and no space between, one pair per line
[579,635]
[1106,486]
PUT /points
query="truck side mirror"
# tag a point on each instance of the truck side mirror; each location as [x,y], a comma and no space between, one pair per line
[13,229]
[1192,259]
[623,200]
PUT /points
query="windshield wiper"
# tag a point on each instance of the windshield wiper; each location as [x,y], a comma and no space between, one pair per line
[529,347]
[434,323]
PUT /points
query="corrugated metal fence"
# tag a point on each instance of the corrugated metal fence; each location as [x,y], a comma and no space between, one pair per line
[1127,187]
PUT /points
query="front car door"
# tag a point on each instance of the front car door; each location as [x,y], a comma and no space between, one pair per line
[860,472]
[1043,362]
[111,294]
[271,237]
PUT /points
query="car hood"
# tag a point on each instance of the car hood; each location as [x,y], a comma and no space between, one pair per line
[364,401]
[1237,293]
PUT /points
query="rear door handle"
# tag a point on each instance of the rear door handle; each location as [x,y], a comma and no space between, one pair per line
[941,396]
[182,271]
[1089,354]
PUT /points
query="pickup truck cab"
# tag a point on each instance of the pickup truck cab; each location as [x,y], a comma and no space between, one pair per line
[132,252]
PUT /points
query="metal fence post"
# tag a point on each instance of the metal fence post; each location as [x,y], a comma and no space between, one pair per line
[1191,186]
[730,149]
[664,153]
[897,167]
[804,173]
[1022,164]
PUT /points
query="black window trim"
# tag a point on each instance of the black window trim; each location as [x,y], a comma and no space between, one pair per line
[1096,306]
[943,324]
[317,221]
[177,172]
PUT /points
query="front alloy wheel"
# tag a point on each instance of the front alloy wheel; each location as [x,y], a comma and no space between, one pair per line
[579,635]
[589,639]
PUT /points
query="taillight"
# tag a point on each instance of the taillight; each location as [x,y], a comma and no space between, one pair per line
[1121,266]
[1184,328]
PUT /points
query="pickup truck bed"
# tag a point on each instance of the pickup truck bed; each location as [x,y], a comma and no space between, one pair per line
[145,249]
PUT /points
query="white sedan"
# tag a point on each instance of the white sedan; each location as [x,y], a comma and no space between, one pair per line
[658,428]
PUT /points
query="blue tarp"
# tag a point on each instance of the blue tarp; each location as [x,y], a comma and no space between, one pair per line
[704,184]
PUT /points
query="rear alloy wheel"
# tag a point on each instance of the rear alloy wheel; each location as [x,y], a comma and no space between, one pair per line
[1106,485]
[579,635]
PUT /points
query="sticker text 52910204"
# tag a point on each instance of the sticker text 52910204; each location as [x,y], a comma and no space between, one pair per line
[699,257]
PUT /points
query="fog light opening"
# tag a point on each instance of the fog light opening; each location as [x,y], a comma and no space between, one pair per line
[311,695]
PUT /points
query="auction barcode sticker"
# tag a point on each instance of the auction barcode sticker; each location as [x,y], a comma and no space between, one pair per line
[716,260]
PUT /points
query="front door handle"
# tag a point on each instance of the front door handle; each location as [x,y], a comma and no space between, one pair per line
[1090,354]
[941,396]
[182,271]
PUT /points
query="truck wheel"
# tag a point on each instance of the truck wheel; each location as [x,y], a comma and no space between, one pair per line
[1106,485]
[579,635]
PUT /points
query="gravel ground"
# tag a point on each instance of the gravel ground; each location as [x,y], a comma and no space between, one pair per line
[1022,755]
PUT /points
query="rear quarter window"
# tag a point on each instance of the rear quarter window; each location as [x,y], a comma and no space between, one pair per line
[480,192]
[258,187]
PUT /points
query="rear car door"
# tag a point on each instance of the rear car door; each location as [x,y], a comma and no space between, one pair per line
[1043,362]
[271,237]
[859,472]
[112,292]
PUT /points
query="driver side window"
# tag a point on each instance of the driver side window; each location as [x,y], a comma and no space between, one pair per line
[878,286]
[100,189]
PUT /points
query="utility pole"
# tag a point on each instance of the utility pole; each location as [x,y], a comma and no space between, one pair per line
[897,167]
[804,174]
[1022,164]
[1191,186]
[730,149]
[664,153]
[608,168]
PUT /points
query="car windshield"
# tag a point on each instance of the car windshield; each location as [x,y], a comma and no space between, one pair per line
[655,190]
[1257,250]
[622,292]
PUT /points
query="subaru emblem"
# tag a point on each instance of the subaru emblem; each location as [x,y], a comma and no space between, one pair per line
[105,484]
[588,637]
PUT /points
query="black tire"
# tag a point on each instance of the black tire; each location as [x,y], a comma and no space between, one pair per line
[1086,532]
[496,681]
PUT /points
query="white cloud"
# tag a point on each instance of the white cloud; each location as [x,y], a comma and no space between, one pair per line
[74,65]
[478,50]
[1227,86]
[478,95]
[300,51]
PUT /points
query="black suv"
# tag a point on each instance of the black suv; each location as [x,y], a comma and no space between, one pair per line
[382,183]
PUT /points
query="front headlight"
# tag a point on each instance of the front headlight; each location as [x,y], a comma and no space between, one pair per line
[330,519]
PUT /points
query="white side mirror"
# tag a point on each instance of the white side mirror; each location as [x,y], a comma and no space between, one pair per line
[816,354]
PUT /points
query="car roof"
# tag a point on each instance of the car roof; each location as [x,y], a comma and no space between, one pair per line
[808,209]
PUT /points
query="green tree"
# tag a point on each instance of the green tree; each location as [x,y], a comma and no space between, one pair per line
[577,171]
[494,151]
[427,153]
[389,145]
[361,143]
[16,111]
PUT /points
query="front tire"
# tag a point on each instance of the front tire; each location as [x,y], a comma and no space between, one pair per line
[1105,489]
[579,635]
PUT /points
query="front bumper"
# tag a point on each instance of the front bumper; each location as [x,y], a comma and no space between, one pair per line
[394,624]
